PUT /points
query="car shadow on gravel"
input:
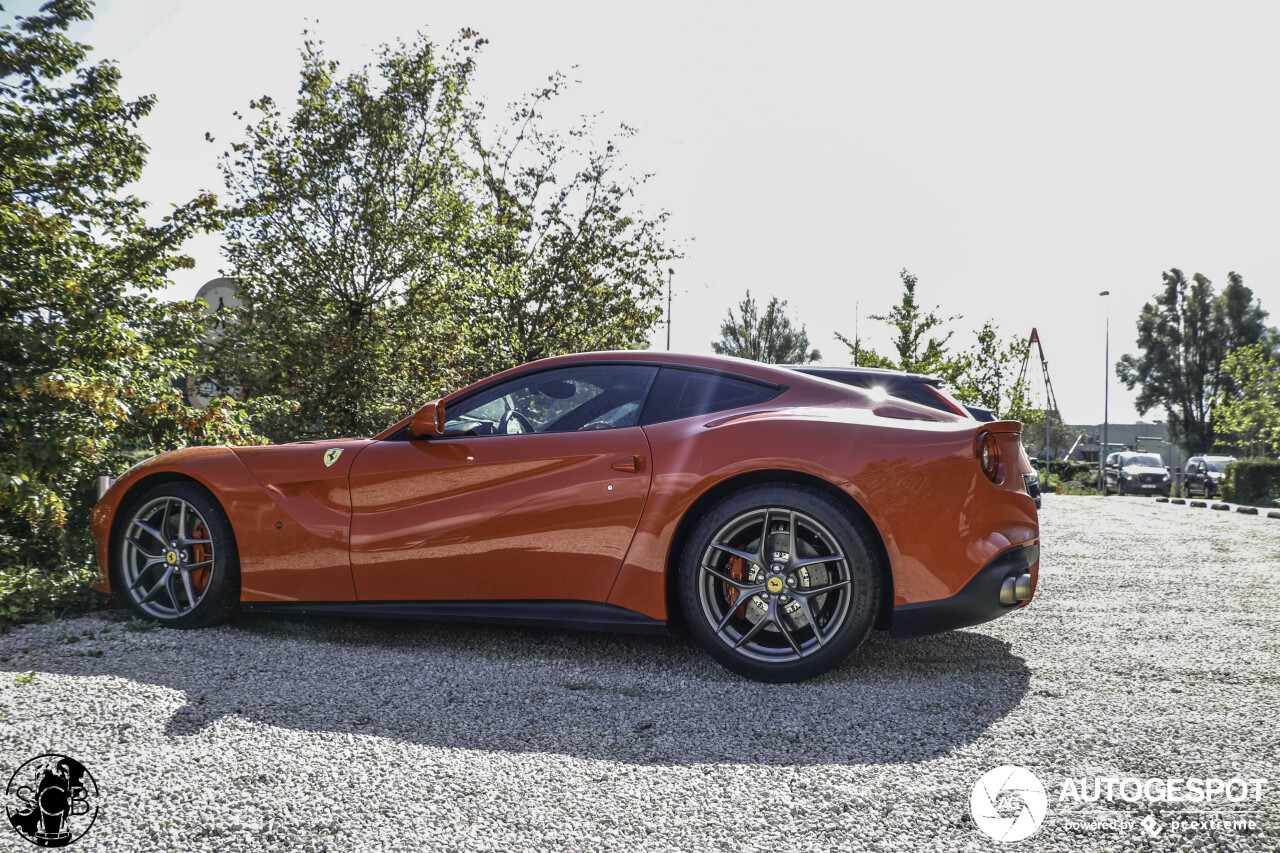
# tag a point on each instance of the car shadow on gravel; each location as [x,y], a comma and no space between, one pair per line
[635,699]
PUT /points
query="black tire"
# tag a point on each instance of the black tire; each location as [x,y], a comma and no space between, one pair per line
[840,589]
[189,577]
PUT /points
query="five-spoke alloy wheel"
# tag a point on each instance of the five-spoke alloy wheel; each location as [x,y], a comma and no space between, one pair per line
[778,583]
[176,559]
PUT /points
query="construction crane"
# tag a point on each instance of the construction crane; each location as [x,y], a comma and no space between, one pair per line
[1051,402]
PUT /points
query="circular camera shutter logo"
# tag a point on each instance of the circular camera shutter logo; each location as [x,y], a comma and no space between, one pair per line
[52,800]
[1008,803]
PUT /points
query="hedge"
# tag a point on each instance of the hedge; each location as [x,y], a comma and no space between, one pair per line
[1252,481]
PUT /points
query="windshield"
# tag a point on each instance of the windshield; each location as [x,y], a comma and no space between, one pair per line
[1217,465]
[1143,460]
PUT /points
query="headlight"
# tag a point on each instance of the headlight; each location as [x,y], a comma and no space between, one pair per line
[1166,478]
[1124,475]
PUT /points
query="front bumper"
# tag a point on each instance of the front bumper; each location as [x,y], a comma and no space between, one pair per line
[977,602]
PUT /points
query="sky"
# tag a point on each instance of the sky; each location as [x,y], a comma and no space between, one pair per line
[1018,158]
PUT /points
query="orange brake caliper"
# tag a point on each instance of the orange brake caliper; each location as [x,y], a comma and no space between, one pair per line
[200,553]
[737,571]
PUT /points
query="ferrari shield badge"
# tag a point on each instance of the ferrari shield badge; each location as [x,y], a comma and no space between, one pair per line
[331,456]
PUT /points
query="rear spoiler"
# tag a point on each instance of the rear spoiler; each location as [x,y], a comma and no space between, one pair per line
[1003,427]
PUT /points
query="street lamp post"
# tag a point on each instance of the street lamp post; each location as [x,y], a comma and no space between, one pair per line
[1106,391]
[670,272]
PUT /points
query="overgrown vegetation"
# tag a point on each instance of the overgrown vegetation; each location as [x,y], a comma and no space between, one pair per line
[88,357]
[387,250]
[386,243]
[1247,414]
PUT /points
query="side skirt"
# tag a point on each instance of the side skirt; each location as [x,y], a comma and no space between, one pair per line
[580,615]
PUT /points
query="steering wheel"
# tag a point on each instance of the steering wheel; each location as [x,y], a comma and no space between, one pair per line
[504,425]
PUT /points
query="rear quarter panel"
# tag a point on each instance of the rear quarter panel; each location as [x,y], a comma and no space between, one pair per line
[834,443]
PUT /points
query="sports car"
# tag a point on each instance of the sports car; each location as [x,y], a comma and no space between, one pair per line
[778,516]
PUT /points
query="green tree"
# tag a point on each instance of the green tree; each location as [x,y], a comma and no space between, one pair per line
[862,355]
[1061,436]
[1247,414]
[573,264]
[987,378]
[88,358]
[1184,337]
[385,254]
[347,235]
[917,350]
[770,337]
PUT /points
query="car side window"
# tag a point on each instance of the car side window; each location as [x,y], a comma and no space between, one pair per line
[679,393]
[599,396]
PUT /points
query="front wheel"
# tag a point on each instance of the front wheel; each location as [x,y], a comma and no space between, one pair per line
[176,557]
[779,584]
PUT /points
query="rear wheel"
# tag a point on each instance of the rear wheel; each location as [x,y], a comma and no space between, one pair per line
[779,584]
[176,558]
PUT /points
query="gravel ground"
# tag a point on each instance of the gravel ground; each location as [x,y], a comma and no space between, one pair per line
[1152,649]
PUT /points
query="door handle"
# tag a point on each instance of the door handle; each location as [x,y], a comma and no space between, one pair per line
[629,464]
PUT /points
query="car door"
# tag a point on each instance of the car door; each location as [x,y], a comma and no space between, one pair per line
[533,492]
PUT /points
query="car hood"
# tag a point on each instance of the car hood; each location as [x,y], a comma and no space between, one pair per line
[1144,469]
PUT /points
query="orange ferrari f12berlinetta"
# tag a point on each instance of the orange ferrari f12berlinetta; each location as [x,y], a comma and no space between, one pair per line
[779,515]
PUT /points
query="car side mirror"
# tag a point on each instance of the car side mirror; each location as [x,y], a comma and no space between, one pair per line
[429,420]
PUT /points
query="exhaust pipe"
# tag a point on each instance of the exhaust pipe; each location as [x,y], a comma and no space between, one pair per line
[1015,589]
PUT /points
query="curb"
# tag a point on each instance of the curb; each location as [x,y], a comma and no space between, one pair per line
[1243,510]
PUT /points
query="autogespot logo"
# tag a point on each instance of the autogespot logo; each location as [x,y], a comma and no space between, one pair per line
[1008,803]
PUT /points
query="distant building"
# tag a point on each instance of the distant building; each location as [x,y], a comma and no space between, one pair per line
[1149,438]
[220,300]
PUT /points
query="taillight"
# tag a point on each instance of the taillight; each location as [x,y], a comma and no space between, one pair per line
[988,453]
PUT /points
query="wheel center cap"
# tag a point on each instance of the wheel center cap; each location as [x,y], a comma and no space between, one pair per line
[171,557]
[774,584]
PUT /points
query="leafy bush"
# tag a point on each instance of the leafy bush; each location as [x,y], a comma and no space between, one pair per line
[88,356]
[1065,470]
[27,593]
[1252,481]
